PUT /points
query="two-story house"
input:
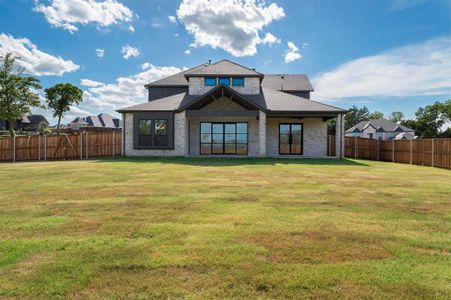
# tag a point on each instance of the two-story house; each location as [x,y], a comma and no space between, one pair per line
[228,109]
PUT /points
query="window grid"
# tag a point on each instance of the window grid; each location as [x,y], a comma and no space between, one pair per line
[223,138]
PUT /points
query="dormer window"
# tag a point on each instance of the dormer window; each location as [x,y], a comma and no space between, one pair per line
[210,81]
[238,81]
[224,81]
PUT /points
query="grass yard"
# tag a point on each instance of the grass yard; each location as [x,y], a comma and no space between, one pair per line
[224,228]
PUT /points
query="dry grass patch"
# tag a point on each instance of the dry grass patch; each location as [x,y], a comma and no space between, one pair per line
[203,228]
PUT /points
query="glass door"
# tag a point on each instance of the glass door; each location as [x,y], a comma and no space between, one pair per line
[290,138]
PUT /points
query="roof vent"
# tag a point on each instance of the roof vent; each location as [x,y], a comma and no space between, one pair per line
[253,69]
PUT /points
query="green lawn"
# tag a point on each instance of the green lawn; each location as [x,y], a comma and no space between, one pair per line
[224,228]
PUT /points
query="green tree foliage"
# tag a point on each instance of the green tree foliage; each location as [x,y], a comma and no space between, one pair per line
[17,92]
[60,97]
[430,120]
[356,115]
[396,116]
[376,115]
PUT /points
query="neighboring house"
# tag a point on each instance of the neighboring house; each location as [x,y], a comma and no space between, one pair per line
[103,121]
[381,129]
[228,109]
[27,123]
[37,122]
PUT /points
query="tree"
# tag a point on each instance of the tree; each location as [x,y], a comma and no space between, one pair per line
[376,115]
[396,116]
[17,92]
[430,119]
[60,97]
[356,115]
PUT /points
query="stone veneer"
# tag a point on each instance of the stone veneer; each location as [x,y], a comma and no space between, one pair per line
[251,86]
[314,140]
[180,138]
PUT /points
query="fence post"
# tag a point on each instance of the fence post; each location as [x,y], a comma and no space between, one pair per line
[87,144]
[355,147]
[114,142]
[393,150]
[81,145]
[432,152]
[14,148]
[39,147]
[45,147]
[378,150]
[411,149]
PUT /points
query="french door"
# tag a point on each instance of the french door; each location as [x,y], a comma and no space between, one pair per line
[290,138]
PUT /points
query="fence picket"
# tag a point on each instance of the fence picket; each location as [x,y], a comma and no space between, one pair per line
[101,144]
[401,151]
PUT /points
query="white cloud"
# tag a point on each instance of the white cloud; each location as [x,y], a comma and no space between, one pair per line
[304,45]
[100,52]
[232,25]
[418,69]
[68,14]
[270,39]
[129,51]
[156,24]
[172,19]
[126,91]
[90,83]
[292,53]
[131,28]
[33,60]
[187,51]
[403,4]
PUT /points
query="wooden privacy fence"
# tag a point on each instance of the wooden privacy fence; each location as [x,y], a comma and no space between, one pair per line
[427,152]
[81,145]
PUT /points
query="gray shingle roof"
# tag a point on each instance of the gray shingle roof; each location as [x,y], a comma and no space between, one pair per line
[178,79]
[35,119]
[271,100]
[287,82]
[223,67]
[106,120]
[381,125]
[170,103]
[280,101]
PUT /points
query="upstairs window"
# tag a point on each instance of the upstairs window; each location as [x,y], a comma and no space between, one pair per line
[224,81]
[210,81]
[238,81]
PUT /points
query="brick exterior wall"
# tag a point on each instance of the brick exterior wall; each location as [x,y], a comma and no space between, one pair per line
[315,136]
[251,86]
[180,138]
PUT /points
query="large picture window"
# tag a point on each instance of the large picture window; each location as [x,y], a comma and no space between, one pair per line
[223,138]
[153,130]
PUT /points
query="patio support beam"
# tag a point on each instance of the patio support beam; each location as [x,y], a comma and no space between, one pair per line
[339,133]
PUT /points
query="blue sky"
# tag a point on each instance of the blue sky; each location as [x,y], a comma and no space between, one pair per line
[386,54]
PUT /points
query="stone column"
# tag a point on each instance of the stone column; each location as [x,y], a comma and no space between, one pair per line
[262,134]
[339,136]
